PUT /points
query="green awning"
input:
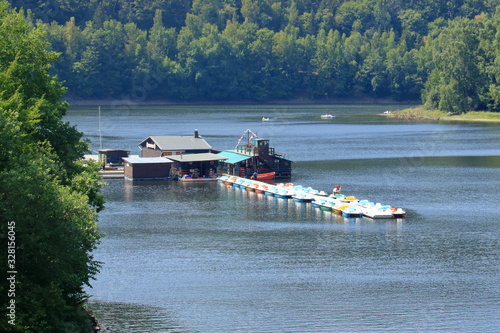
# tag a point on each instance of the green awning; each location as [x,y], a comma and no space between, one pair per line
[233,157]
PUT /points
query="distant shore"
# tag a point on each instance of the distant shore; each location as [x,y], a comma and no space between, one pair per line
[293,101]
[419,113]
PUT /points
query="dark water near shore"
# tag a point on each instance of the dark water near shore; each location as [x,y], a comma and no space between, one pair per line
[207,258]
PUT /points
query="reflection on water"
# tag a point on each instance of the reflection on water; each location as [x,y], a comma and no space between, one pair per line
[122,317]
[210,258]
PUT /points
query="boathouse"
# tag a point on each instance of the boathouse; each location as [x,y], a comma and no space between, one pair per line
[203,165]
[157,146]
[255,156]
[112,157]
[147,168]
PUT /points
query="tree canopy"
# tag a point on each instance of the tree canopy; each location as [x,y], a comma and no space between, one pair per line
[48,200]
[276,49]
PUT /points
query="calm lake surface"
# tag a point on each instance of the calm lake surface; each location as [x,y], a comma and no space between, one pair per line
[207,258]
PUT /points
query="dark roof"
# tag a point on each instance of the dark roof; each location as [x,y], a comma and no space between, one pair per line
[178,142]
[197,157]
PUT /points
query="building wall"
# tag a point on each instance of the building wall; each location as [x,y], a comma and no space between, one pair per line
[283,168]
[148,152]
[116,156]
[128,170]
[172,152]
[147,170]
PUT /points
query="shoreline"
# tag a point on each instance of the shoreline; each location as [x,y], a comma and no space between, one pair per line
[440,118]
[293,101]
[418,113]
[470,119]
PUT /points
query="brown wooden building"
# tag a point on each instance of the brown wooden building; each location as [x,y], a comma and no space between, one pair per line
[147,168]
[255,156]
[156,146]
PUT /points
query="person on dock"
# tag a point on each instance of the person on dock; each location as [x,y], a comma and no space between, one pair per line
[336,189]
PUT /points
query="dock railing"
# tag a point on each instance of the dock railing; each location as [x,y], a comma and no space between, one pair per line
[246,150]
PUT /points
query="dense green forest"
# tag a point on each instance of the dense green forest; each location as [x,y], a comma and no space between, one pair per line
[446,52]
[48,200]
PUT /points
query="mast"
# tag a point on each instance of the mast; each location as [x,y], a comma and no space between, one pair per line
[100,132]
[250,135]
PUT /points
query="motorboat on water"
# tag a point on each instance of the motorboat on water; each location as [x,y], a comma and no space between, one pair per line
[327,116]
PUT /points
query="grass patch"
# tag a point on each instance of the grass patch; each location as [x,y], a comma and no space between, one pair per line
[418,113]
[478,115]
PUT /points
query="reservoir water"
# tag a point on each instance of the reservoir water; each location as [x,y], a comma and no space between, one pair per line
[207,258]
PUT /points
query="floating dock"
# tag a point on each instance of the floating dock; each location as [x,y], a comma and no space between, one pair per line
[347,206]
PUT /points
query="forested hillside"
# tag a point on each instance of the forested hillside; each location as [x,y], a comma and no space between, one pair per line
[448,52]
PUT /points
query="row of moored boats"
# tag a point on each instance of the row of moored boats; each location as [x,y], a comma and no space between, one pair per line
[338,203]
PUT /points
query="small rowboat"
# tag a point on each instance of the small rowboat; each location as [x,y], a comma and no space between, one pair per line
[327,116]
[266,176]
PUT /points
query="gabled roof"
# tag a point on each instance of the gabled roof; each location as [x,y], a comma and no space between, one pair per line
[177,142]
[197,157]
[233,157]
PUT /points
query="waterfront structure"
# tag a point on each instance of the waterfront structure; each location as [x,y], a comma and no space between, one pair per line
[112,157]
[147,168]
[196,166]
[157,146]
[181,157]
[253,157]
